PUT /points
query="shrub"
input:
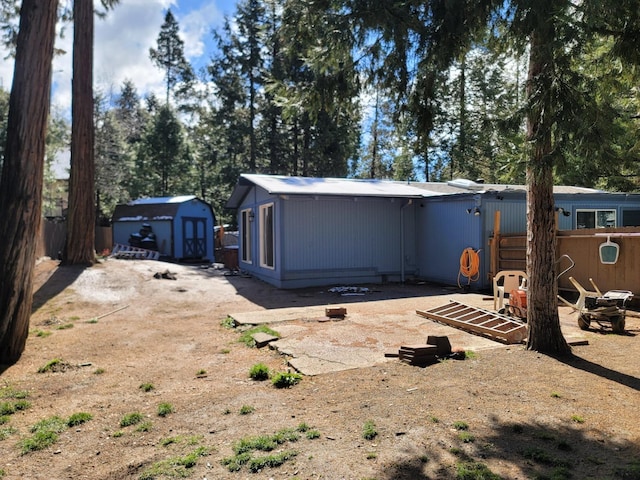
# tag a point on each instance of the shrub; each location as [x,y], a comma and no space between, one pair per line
[285,379]
[369,431]
[259,372]
[131,419]
[165,409]
[78,419]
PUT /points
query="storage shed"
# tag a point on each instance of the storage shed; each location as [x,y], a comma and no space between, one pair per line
[180,228]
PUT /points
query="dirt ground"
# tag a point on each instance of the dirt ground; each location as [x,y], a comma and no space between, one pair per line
[115,329]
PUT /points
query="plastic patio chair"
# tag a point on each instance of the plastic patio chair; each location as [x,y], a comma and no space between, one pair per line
[504,282]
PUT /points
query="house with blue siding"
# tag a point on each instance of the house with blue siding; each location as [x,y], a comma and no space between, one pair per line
[299,232]
[179,228]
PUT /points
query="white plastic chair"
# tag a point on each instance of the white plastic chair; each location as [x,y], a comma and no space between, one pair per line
[506,281]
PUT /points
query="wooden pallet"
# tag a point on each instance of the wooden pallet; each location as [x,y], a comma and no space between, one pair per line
[126,251]
[478,321]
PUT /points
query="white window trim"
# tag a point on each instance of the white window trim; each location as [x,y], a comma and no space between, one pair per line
[262,212]
[246,238]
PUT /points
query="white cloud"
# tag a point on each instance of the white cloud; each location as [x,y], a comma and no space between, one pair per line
[122,42]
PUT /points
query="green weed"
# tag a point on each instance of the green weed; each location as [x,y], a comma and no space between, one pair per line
[51,366]
[259,372]
[165,409]
[228,323]
[131,419]
[45,433]
[144,427]
[369,431]
[285,379]
[247,336]
[175,467]
[460,425]
[146,387]
[466,437]
[260,463]
[78,419]
[577,419]
[246,410]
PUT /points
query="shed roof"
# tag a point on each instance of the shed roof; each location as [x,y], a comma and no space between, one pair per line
[149,209]
[284,185]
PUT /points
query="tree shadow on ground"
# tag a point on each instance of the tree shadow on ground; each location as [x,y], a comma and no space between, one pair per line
[523,450]
[601,371]
[62,277]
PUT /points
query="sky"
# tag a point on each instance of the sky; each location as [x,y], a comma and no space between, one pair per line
[122,42]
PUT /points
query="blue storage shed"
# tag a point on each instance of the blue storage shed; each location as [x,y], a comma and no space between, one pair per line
[182,227]
[300,232]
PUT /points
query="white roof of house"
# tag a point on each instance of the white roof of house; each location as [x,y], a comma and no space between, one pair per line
[285,185]
[158,200]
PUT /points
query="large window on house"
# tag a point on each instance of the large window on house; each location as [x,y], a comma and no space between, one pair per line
[631,218]
[595,218]
[267,247]
[246,218]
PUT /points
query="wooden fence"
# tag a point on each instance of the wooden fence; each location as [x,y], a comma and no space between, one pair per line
[508,252]
[53,234]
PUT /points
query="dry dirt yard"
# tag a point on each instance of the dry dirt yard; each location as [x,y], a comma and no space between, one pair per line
[119,341]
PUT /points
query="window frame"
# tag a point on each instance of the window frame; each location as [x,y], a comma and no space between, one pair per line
[266,226]
[596,212]
[246,219]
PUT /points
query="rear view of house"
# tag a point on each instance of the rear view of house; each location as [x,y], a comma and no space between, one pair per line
[180,228]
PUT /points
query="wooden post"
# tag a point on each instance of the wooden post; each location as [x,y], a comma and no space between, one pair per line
[494,244]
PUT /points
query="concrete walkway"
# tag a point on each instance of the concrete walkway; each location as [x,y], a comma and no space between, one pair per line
[317,345]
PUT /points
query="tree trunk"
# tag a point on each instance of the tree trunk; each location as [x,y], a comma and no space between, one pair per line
[542,302]
[81,218]
[22,173]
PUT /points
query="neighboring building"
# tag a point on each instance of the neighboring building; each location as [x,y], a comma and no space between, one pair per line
[299,232]
[180,228]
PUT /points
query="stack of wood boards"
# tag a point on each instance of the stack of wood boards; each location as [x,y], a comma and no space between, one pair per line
[425,354]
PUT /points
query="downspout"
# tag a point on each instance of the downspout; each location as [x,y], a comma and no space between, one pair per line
[410,202]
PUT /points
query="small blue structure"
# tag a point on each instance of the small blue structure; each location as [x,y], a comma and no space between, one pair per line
[299,232]
[180,228]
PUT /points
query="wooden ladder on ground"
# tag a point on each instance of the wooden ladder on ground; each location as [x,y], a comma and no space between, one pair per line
[476,320]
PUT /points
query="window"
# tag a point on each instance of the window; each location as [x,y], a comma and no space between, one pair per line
[595,218]
[267,253]
[631,218]
[246,218]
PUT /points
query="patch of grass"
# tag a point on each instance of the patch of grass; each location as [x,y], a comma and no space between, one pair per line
[175,467]
[235,463]
[286,435]
[372,455]
[64,326]
[263,443]
[4,419]
[555,395]
[474,471]
[99,371]
[225,350]
[466,437]
[455,451]
[260,463]
[434,419]
[45,433]
[312,434]
[201,373]
[259,372]
[228,322]
[470,355]
[577,419]
[146,387]
[369,431]
[543,457]
[246,410]
[50,366]
[303,427]
[247,336]
[460,425]
[165,409]
[78,419]
[131,419]
[6,431]
[285,379]
[10,392]
[144,427]
[117,434]
[42,333]
[92,320]
[7,408]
